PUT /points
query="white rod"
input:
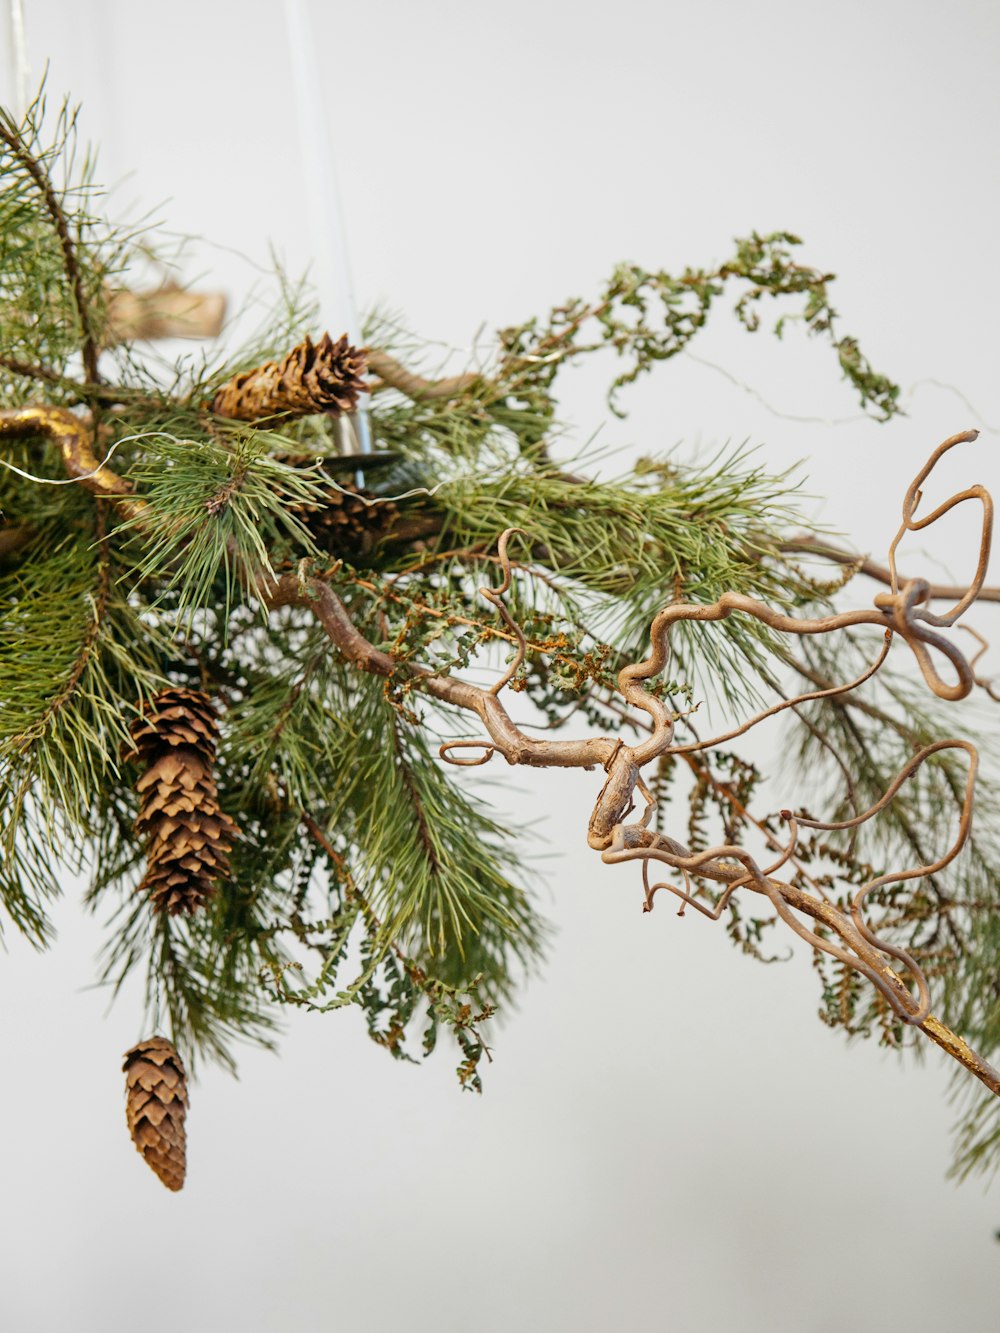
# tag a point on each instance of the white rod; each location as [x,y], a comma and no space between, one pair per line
[328,238]
[20,68]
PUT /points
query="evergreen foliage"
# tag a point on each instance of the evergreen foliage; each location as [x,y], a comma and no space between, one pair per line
[366,873]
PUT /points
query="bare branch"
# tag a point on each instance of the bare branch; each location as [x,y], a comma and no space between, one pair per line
[936,592]
[396,376]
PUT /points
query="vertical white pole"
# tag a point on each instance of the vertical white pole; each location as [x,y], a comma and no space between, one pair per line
[328,240]
[20,69]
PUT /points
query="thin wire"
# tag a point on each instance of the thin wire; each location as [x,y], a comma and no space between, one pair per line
[74,481]
[372,500]
[369,501]
[908,397]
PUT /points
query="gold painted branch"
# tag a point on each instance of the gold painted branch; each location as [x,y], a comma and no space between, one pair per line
[73,437]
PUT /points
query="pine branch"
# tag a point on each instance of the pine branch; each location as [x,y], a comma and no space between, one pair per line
[10,135]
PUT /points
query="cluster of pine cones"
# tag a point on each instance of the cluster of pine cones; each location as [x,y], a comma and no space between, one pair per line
[323,377]
[188,836]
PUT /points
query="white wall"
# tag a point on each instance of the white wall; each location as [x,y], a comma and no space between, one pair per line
[668,1138]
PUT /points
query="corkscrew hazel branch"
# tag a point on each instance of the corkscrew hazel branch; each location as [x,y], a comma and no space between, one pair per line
[495,597]
[901,611]
[911,501]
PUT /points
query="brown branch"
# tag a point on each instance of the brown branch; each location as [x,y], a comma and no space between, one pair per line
[34,168]
[900,611]
[868,958]
[31,372]
[936,592]
[396,376]
[84,390]
[828,915]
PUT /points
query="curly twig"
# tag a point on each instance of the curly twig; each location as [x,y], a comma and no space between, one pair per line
[909,524]
[901,611]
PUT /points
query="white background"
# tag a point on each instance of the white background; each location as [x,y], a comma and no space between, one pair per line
[668,1138]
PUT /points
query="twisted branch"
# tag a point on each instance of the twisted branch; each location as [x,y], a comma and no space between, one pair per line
[902,611]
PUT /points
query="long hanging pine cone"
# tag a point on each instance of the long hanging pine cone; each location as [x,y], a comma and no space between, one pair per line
[156,1103]
[314,377]
[188,836]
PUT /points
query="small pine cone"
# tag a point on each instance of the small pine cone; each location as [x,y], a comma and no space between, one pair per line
[156,1103]
[188,837]
[314,377]
[345,525]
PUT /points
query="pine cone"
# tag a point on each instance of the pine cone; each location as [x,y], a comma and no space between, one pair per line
[188,835]
[156,1103]
[321,377]
[345,525]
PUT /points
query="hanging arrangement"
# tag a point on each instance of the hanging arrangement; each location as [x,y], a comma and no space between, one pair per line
[237,666]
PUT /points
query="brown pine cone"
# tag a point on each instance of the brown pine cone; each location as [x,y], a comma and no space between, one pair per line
[156,1103]
[188,835]
[314,377]
[345,525]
